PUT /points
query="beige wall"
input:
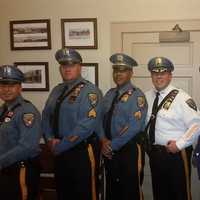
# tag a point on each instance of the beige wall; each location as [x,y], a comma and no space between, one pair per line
[106,11]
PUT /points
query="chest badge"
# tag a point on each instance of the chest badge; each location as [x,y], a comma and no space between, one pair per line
[126,95]
[124,98]
[8,116]
[138,115]
[75,93]
[167,104]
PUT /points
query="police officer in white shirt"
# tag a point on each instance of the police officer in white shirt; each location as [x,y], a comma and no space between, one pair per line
[173,126]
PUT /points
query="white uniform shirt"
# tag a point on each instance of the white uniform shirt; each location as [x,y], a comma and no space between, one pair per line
[179,122]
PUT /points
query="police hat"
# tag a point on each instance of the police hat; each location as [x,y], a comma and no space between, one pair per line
[10,74]
[68,56]
[122,61]
[160,64]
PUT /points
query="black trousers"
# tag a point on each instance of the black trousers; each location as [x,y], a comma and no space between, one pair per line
[123,174]
[75,173]
[171,173]
[20,181]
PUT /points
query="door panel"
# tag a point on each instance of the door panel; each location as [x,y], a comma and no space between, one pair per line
[141,41]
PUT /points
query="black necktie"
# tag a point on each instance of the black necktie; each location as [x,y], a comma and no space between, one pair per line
[153,119]
[57,111]
[108,117]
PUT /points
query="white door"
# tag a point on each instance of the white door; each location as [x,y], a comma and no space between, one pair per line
[141,41]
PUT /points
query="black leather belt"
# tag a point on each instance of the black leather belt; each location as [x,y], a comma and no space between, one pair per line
[158,147]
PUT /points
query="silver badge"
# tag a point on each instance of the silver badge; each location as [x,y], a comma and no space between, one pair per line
[158,62]
[120,58]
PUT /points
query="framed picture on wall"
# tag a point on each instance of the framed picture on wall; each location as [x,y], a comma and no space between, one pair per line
[30,34]
[79,33]
[36,75]
[90,72]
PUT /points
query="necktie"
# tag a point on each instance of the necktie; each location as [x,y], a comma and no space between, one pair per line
[108,117]
[56,112]
[153,119]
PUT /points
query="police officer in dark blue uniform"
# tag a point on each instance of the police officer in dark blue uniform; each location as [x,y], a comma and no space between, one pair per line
[69,120]
[20,131]
[123,110]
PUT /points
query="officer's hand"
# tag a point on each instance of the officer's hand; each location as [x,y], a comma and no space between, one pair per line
[171,147]
[106,149]
[52,143]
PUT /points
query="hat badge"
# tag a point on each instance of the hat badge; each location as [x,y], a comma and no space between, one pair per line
[120,58]
[158,62]
[7,70]
[65,51]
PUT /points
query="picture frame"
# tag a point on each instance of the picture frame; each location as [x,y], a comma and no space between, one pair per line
[30,34]
[79,33]
[36,75]
[90,72]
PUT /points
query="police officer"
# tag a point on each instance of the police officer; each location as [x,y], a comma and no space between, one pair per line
[173,125]
[123,112]
[20,132]
[69,119]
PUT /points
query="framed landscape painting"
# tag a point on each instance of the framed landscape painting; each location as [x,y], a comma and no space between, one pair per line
[79,33]
[36,75]
[30,35]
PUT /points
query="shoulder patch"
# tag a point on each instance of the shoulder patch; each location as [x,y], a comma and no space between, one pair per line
[75,92]
[191,104]
[93,99]
[28,119]
[140,101]
[92,113]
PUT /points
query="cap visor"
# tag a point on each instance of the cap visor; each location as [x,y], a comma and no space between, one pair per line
[9,81]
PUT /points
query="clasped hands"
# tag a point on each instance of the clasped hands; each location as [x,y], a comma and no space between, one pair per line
[106,148]
[172,147]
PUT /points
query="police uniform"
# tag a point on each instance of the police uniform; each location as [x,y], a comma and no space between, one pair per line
[19,143]
[127,122]
[177,119]
[73,123]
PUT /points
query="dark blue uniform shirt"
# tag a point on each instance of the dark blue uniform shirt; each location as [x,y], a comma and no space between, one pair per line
[78,113]
[20,132]
[128,117]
